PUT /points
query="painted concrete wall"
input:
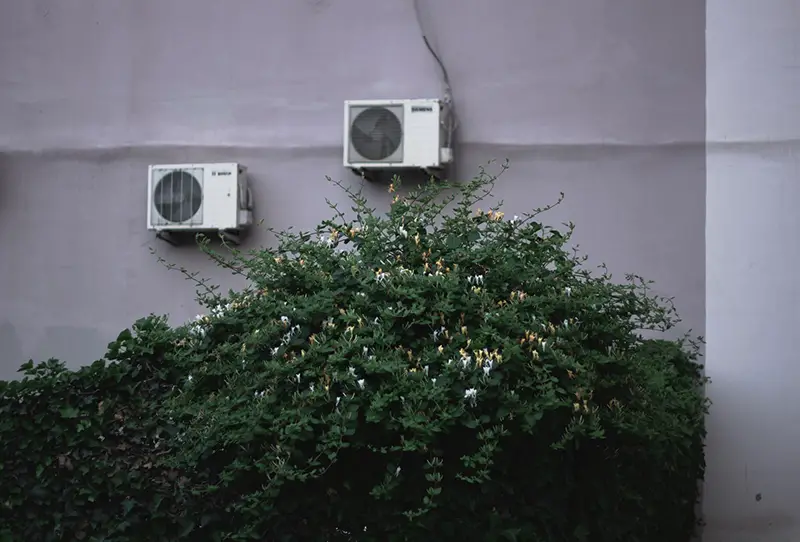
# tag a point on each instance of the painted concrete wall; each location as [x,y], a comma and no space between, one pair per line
[753,294]
[603,100]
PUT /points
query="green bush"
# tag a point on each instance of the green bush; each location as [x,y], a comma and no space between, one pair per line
[82,451]
[435,373]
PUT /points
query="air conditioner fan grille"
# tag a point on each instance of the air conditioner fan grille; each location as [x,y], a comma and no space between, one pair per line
[178,196]
[376,133]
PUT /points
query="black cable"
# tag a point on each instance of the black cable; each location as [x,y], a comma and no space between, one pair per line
[448,89]
[445,76]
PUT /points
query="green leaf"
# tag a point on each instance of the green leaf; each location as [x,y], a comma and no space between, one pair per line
[127,506]
[68,412]
[187,526]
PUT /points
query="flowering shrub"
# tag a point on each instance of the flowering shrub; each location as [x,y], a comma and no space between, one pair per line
[393,375]
[441,372]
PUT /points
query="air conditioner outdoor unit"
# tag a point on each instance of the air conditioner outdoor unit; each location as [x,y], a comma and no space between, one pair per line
[198,198]
[395,134]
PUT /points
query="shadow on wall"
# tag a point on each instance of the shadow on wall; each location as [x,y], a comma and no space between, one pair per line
[4,179]
[66,343]
[11,352]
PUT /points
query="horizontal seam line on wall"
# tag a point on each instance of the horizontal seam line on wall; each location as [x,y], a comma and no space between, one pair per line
[115,149]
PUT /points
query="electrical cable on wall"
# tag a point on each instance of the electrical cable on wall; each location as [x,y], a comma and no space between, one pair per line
[451,121]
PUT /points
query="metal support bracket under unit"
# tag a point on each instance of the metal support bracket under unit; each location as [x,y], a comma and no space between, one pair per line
[183,238]
[376,175]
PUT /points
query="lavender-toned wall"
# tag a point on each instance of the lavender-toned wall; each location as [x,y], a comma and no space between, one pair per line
[601,100]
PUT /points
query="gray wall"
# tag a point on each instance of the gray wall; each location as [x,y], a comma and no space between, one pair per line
[752,491]
[602,100]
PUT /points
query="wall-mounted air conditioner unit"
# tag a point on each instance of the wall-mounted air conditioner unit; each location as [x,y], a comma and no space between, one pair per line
[395,135]
[198,198]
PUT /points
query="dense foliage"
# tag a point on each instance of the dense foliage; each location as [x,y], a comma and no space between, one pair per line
[436,373]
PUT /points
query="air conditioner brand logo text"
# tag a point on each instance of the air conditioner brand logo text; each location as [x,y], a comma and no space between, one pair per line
[219,173]
[421,109]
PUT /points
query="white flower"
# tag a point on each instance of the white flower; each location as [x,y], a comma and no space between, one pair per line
[471,395]
[311,388]
[425,370]
[297,377]
[465,361]
[365,351]
[285,320]
[360,383]
[487,367]
[189,378]
[274,351]
[568,291]
[397,471]
[381,277]
[351,371]
[433,381]
[403,232]
[327,239]
[515,218]
[337,401]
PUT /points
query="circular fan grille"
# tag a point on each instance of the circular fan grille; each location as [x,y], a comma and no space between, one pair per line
[376,133]
[178,196]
